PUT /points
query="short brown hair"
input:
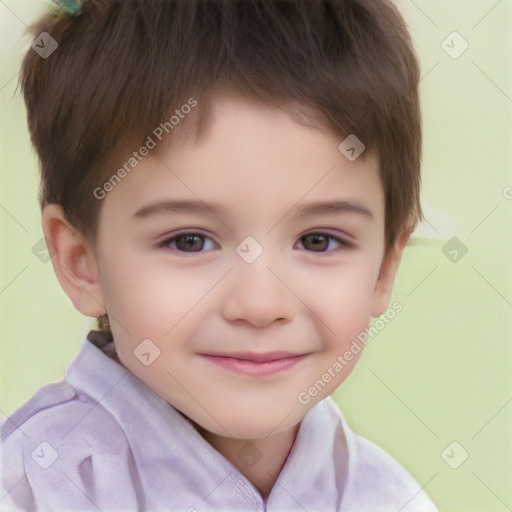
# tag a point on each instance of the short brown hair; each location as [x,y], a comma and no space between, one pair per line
[123,66]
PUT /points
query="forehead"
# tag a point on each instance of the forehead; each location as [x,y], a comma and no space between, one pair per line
[252,158]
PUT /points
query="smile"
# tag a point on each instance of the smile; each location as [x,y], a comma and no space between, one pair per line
[256,365]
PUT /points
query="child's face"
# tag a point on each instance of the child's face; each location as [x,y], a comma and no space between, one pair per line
[303,295]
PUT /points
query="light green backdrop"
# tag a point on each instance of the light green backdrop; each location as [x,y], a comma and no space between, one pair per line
[440,372]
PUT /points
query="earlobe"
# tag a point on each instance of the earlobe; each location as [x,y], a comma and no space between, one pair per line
[389,267]
[74,262]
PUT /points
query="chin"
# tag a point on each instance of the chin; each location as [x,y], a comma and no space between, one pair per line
[256,424]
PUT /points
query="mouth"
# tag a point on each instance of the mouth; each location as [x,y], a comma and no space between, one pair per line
[256,365]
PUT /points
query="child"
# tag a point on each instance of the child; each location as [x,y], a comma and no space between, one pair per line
[228,187]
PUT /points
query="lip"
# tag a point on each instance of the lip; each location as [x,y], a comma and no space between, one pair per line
[256,365]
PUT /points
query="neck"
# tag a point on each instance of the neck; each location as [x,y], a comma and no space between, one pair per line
[259,460]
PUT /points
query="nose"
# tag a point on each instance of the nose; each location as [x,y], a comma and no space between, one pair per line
[257,294]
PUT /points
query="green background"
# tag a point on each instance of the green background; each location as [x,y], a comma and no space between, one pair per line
[440,371]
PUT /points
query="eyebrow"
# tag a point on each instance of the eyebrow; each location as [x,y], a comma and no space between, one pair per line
[318,208]
[333,208]
[170,206]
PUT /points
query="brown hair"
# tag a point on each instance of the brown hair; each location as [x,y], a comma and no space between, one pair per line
[124,66]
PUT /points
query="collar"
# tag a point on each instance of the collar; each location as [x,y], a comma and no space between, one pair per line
[173,459]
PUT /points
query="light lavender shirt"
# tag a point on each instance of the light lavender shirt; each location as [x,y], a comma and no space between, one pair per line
[102,440]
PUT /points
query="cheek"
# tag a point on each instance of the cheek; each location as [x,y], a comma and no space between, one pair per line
[343,303]
[151,298]
[342,312]
[156,303]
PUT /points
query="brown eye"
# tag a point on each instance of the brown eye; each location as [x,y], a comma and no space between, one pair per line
[188,242]
[315,242]
[323,242]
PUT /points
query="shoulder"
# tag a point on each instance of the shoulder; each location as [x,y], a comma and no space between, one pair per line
[383,483]
[60,413]
[375,481]
[57,445]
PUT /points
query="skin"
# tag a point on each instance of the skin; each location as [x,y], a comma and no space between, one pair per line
[302,295]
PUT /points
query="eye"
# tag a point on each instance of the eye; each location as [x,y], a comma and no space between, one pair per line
[188,242]
[197,242]
[323,242]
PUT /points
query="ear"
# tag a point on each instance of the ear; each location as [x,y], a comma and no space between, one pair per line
[388,269]
[74,262]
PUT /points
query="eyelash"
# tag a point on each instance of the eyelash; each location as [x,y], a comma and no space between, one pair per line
[344,244]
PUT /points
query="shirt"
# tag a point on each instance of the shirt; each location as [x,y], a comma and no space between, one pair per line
[102,440]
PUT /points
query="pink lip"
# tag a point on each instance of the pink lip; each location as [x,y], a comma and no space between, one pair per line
[257,365]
